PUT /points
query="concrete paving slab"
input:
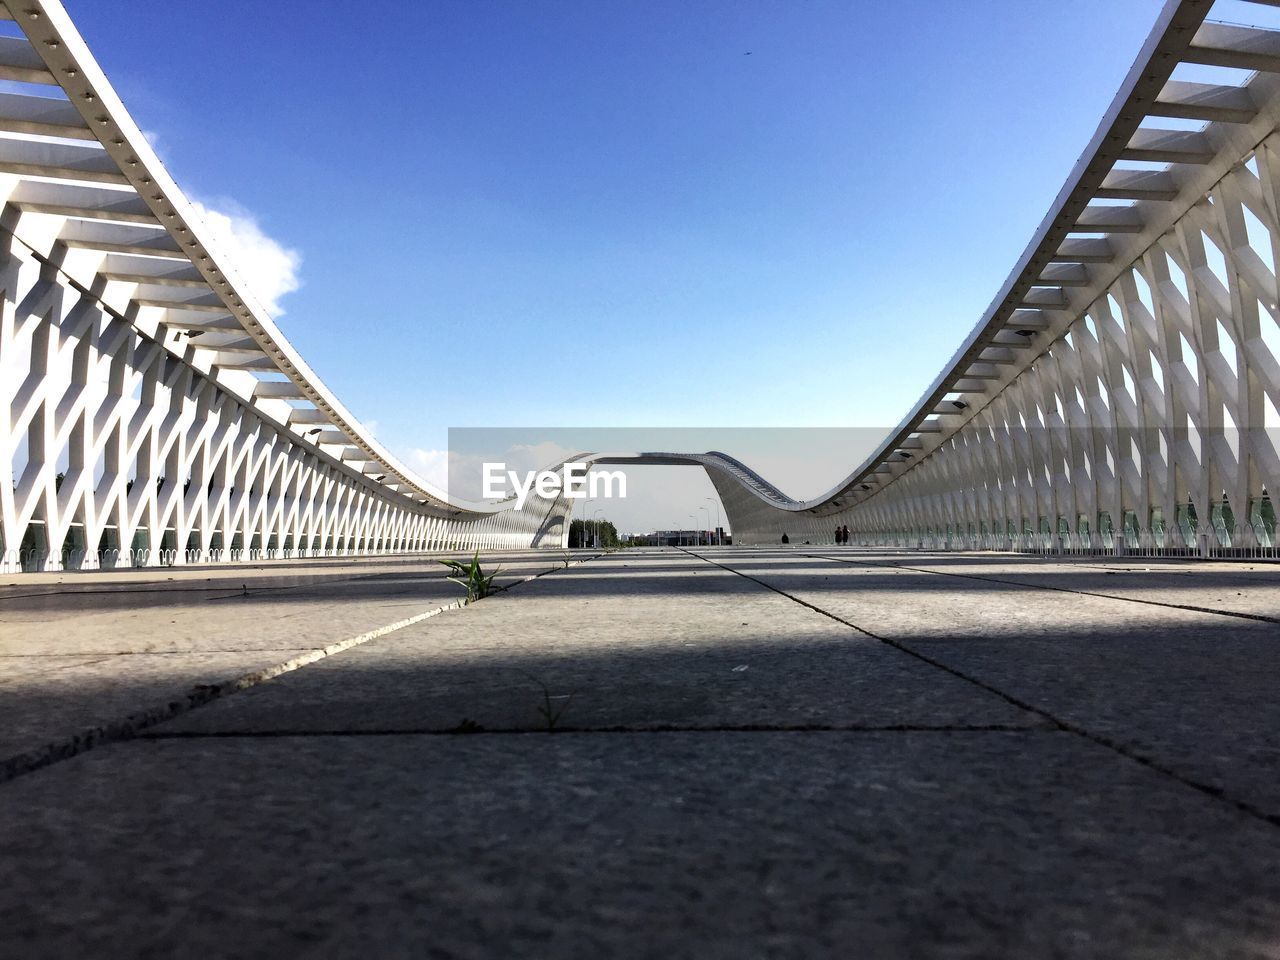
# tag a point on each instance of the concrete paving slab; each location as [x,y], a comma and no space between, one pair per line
[276,612]
[42,709]
[634,641]
[101,648]
[699,845]
[14,669]
[1194,692]
[916,601]
[881,803]
[1250,589]
[1203,707]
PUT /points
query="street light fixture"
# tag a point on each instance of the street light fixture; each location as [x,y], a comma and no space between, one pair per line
[719,535]
[585,521]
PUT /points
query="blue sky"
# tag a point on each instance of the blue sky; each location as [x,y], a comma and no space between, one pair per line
[626,214]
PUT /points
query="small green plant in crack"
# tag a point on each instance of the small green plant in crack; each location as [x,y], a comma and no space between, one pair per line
[551,714]
[472,578]
[547,710]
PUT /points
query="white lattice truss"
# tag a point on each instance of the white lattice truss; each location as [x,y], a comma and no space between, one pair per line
[161,465]
[1132,415]
[155,415]
[1153,412]
[1121,390]
[1156,407]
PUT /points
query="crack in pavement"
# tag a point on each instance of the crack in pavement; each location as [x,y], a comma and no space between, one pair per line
[658,728]
[131,726]
[1101,740]
[1260,617]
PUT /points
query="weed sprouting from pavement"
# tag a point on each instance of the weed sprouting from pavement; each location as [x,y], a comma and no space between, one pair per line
[472,578]
[550,713]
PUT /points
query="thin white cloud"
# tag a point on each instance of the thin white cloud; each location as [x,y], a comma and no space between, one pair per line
[268,268]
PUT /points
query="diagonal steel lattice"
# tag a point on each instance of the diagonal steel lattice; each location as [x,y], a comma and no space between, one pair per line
[127,454]
[1151,422]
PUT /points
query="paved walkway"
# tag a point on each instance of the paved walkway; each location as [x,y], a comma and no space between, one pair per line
[756,753]
[83,656]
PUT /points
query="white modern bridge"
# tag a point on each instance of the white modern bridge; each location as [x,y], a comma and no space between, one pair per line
[1120,392]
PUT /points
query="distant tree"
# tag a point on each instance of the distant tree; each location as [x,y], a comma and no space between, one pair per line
[582,533]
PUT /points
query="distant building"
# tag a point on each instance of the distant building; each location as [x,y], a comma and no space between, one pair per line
[682,538]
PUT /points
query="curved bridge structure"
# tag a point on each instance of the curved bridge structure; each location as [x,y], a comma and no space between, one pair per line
[1121,390]
[155,414]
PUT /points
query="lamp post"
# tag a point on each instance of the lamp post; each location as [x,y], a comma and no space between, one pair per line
[695,522]
[708,512]
[719,535]
[585,520]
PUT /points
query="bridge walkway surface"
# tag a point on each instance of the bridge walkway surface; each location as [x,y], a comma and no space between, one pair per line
[790,752]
